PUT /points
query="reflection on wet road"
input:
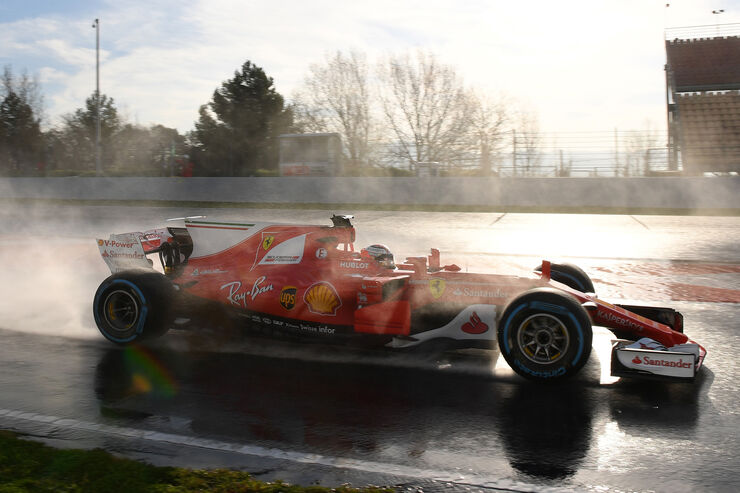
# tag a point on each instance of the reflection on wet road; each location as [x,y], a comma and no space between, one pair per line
[461,417]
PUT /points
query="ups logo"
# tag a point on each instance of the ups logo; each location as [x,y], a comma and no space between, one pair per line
[287,297]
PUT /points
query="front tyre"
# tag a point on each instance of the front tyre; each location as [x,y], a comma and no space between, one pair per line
[545,335]
[133,306]
[570,275]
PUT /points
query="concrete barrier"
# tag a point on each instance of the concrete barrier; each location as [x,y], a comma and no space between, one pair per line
[670,193]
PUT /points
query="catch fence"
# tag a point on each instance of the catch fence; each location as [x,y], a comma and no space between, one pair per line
[551,154]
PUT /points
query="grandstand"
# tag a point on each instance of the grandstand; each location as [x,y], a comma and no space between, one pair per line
[703,96]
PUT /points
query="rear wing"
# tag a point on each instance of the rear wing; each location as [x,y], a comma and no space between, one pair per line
[129,250]
[124,252]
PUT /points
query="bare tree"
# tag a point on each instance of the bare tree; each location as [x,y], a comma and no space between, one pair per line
[488,118]
[426,107]
[528,142]
[639,145]
[336,98]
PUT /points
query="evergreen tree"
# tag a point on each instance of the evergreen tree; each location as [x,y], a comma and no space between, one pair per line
[236,133]
[21,140]
[74,144]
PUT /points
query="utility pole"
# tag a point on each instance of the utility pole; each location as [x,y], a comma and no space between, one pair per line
[513,152]
[718,12]
[98,166]
[561,170]
[616,152]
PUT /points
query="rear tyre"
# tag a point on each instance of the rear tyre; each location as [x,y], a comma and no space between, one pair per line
[570,275]
[545,335]
[133,306]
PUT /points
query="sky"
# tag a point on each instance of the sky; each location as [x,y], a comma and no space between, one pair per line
[593,65]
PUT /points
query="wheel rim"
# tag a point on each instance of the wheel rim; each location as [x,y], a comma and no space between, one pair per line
[543,339]
[121,310]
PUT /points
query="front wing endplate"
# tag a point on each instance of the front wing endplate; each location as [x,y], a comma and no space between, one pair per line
[631,361]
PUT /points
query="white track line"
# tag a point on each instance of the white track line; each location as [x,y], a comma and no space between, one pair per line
[272,453]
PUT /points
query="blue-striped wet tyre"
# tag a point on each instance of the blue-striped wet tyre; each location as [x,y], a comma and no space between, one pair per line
[133,306]
[570,275]
[545,335]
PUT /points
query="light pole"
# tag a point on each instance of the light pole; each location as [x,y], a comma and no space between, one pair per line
[717,12]
[98,166]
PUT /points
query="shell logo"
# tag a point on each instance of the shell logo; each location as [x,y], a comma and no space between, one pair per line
[322,299]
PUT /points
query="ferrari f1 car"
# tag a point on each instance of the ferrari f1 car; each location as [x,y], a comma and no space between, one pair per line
[309,282]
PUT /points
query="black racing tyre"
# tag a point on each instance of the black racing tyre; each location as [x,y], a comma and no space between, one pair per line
[570,275]
[545,334]
[133,306]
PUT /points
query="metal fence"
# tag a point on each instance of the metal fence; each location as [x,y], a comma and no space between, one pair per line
[705,31]
[575,154]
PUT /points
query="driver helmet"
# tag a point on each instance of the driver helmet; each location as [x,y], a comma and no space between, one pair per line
[381,254]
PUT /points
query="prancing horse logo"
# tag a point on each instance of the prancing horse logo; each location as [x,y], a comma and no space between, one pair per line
[437,287]
[267,242]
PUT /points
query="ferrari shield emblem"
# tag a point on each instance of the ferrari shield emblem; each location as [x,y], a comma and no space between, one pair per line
[267,242]
[437,287]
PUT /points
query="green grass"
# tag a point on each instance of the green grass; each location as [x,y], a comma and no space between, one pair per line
[27,466]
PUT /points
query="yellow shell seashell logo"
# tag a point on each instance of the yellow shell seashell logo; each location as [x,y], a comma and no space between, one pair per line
[322,299]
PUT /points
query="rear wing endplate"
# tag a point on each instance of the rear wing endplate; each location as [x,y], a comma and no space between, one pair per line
[123,252]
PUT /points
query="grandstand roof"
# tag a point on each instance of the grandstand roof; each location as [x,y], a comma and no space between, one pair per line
[705,31]
[704,64]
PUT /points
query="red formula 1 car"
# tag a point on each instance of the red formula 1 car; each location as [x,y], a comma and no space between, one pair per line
[309,282]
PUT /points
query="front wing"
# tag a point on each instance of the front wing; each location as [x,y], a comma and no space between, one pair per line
[648,358]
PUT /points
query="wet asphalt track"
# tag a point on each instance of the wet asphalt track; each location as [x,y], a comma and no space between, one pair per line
[321,415]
